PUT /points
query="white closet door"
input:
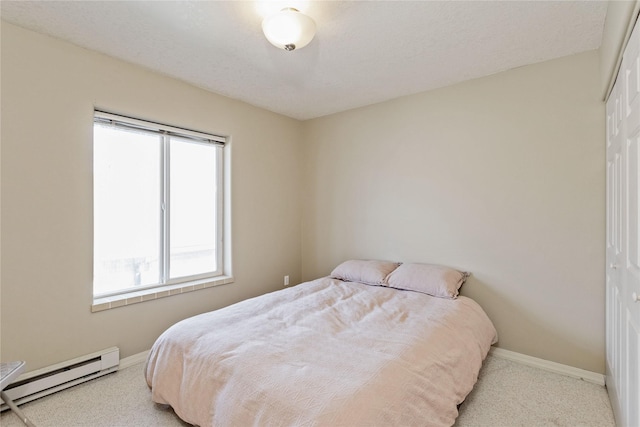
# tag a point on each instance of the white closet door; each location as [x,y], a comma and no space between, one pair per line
[630,274]
[614,244]
[623,238]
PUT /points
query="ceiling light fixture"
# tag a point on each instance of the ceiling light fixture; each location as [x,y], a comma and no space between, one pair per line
[289,29]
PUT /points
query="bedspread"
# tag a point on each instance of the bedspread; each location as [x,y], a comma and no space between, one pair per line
[323,353]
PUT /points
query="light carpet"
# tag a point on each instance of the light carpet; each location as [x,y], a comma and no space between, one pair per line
[507,394]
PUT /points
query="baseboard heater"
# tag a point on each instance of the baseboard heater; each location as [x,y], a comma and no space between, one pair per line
[45,381]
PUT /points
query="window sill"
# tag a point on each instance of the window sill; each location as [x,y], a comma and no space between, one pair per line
[107,303]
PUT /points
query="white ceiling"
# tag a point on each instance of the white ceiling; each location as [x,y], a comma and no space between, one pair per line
[364,52]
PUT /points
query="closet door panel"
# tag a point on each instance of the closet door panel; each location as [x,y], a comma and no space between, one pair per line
[614,249]
[623,238]
[633,371]
[630,273]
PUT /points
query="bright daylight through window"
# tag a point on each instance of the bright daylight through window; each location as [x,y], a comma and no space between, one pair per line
[157,205]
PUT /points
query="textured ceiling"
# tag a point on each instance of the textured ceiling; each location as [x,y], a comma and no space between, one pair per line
[364,52]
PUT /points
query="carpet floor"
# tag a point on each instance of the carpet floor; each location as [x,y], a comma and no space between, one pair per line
[507,394]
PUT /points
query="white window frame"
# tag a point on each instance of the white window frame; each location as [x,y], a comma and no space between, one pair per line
[168,286]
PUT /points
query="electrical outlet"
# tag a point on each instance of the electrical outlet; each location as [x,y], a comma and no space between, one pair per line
[286,280]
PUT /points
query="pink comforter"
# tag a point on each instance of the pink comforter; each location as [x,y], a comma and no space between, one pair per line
[323,353]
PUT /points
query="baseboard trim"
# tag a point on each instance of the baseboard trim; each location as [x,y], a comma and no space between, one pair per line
[547,365]
[136,359]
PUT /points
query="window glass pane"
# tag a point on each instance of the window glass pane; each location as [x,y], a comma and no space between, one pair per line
[192,208]
[127,193]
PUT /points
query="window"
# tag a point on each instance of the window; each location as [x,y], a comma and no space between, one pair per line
[158,205]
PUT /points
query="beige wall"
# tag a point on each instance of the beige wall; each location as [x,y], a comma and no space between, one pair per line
[49,90]
[502,176]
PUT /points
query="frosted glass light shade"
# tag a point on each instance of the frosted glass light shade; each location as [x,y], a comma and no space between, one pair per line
[289,29]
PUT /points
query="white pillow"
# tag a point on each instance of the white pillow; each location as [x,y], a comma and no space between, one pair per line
[435,280]
[370,272]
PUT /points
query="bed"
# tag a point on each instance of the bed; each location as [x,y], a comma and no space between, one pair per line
[374,343]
